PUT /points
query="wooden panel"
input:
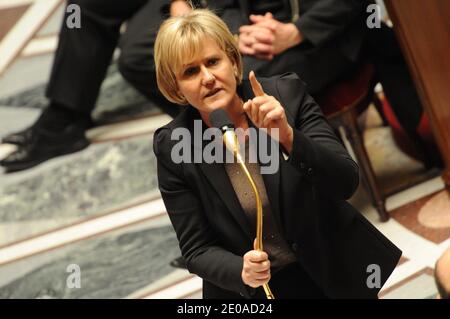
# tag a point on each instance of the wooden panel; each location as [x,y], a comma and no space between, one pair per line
[9,16]
[423,28]
[25,29]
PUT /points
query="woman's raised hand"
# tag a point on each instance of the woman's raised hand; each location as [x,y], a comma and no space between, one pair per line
[266,112]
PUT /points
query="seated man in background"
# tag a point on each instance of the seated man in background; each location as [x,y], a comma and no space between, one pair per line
[442,275]
[79,68]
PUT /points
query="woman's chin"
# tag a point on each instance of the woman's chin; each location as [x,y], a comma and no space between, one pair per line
[217,105]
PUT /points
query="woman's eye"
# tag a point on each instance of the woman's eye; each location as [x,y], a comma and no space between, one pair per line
[190,71]
[213,61]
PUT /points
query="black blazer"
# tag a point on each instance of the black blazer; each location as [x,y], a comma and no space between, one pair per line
[334,24]
[333,242]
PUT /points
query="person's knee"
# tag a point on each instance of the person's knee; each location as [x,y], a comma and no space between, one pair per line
[128,66]
[442,275]
[133,64]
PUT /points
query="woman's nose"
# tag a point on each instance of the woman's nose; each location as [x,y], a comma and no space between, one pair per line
[207,76]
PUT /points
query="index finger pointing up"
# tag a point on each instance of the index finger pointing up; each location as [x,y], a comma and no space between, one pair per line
[256,86]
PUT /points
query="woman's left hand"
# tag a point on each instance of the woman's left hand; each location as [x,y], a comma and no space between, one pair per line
[267,113]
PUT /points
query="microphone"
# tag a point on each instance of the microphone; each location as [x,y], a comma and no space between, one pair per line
[220,119]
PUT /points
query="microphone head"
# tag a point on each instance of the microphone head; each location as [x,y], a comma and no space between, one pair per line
[219,118]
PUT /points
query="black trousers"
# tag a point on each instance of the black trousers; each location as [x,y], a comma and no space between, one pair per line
[83,55]
[382,48]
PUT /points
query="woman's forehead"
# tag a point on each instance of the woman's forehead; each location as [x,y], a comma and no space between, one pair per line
[197,51]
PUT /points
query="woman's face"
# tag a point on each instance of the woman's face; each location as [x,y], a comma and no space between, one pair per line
[208,82]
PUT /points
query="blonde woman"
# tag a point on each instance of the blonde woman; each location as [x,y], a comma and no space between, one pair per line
[315,244]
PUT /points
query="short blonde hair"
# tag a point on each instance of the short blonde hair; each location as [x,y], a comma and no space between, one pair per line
[181,38]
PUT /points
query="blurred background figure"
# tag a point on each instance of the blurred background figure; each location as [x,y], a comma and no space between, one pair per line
[79,68]
[442,275]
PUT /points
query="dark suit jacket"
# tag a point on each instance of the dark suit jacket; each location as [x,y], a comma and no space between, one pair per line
[333,242]
[333,31]
[320,21]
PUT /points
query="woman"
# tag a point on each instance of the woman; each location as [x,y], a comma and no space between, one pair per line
[316,245]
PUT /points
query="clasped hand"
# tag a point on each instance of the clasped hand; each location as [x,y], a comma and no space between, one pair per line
[267,37]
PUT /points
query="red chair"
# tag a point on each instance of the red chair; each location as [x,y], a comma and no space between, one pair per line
[342,104]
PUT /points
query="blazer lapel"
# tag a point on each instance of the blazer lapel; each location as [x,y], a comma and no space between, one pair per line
[218,178]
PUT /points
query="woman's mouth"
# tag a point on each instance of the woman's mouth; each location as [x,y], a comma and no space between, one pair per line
[212,92]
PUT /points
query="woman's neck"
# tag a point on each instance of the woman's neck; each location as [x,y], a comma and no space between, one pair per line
[237,115]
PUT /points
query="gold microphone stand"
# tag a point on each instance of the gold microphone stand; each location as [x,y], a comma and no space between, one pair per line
[232,144]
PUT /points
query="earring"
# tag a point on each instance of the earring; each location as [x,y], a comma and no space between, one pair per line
[182,98]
